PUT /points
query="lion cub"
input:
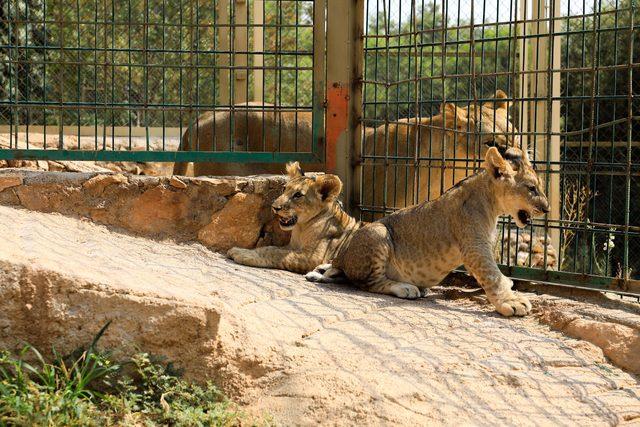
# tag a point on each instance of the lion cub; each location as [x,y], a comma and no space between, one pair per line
[416,247]
[319,227]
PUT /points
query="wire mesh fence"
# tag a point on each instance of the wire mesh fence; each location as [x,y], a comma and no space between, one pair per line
[112,76]
[569,76]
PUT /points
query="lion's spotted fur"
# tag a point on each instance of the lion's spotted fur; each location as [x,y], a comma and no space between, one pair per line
[416,247]
[321,229]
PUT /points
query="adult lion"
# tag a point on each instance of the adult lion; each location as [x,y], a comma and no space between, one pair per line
[260,127]
[402,160]
[413,160]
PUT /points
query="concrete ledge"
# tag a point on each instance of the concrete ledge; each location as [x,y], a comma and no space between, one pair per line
[179,208]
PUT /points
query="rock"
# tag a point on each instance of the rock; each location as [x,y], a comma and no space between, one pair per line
[619,342]
[9,181]
[537,248]
[237,224]
[96,185]
[522,249]
[42,165]
[73,166]
[222,186]
[177,183]
[100,215]
[43,198]
[260,185]
[522,258]
[158,210]
[56,166]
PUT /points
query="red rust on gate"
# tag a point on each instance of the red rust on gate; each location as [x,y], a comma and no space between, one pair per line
[337,120]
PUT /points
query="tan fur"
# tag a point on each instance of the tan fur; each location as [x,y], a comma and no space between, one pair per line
[319,227]
[416,247]
[253,130]
[446,144]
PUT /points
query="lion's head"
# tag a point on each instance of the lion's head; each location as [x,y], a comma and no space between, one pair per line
[305,197]
[518,188]
[490,121]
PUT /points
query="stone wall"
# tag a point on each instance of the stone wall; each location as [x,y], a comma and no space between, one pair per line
[218,212]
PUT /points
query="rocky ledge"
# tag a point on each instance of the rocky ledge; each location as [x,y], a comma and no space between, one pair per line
[218,212]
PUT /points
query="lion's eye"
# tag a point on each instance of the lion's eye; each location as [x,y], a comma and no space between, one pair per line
[297,195]
[533,189]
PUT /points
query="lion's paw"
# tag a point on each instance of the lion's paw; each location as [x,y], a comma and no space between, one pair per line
[241,256]
[314,276]
[513,305]
[406,291]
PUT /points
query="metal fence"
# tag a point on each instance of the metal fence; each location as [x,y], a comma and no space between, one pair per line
[571,74]
[123,80]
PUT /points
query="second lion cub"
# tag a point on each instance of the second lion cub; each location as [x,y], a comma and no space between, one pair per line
[416,247]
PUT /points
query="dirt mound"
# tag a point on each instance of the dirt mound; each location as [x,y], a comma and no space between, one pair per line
[607,322]
[307,354]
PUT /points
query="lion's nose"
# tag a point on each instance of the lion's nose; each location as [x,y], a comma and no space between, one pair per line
[276,208]
[545,209]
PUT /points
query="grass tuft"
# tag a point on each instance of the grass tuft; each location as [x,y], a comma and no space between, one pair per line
[88,388]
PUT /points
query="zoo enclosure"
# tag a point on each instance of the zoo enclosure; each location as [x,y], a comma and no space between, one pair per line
[111,81]
[570,70]
[122,80]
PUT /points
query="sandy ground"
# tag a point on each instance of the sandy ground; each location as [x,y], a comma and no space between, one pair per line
[310,354]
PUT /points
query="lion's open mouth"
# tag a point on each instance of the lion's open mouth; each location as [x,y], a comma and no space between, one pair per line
[288,222]
[524,217]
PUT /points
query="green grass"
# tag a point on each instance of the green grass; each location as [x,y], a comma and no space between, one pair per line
[88,388]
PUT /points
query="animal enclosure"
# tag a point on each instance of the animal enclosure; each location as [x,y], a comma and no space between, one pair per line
[353,85]
[124,80]
[571,74]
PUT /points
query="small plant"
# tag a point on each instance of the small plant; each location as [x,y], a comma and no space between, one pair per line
[576,201]
[602,260]
[87,388]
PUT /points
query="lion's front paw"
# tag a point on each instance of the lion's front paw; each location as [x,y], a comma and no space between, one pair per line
[513,305]
[406,291]
[242,256]
[234,252]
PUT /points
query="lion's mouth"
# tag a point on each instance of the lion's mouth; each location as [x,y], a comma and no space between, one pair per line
[287,222]
[524,217]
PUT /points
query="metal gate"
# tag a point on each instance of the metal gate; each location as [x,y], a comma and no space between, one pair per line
[570,72]
[111,80]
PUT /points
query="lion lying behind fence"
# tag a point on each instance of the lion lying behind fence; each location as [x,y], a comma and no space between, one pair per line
[404,161]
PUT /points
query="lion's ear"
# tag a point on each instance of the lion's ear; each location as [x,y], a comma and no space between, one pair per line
[294,170]
[502,100]
[454,117]
[496,165]
[329,187]
[452,111]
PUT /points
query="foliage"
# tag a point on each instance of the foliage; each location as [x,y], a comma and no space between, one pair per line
[87,388]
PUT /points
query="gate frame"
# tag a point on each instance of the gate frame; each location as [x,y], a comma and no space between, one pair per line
[345,20]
